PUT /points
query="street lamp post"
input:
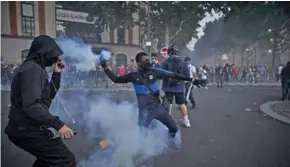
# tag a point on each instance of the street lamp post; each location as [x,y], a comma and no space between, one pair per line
[148,43]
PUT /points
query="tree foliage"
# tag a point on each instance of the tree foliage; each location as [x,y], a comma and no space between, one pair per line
[170,22]
[246,27]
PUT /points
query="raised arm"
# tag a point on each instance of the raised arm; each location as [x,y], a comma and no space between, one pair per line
[55,83]
[121,79]
[118,79]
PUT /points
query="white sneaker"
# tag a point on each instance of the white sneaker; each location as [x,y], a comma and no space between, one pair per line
[186,122]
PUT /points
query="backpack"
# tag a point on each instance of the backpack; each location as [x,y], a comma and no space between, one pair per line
[174,64]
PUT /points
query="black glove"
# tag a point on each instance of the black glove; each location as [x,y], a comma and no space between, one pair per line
[198,82]
[104,63]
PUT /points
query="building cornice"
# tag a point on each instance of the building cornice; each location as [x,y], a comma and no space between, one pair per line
[89,41]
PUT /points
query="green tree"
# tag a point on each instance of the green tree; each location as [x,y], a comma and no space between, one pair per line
[246,27]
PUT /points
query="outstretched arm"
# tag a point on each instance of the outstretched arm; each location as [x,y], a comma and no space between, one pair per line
[162,74]
[121,79]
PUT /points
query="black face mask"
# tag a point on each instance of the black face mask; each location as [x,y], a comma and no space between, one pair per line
[146,65]
[49,59]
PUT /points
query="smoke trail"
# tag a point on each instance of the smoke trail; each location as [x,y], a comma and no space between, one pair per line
[80,54]
[104,118]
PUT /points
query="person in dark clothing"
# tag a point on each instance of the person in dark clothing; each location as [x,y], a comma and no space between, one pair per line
[226,72]
[244,75]
[154,60]
[174,88]
[145,82]
[285,81]
[219,73]
[31,96]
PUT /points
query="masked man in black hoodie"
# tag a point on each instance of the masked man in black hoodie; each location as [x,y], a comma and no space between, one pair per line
[285,81]
[31,96]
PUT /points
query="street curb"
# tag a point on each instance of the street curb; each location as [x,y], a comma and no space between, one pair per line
[265,108]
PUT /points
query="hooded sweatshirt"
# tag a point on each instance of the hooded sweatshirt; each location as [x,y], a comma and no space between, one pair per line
[31,92]
[285,73]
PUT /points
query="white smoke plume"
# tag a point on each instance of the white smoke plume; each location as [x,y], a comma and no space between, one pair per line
[80,54]
[106,119]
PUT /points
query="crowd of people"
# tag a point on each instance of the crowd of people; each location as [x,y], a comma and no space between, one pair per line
[97,79]
[73,78]
[252,74]
[235,73]
[7,73]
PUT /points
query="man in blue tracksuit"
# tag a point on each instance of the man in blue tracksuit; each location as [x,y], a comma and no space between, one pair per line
[175,88]
[146,85]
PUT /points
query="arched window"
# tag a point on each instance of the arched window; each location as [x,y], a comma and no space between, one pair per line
[121,59]
[121,35]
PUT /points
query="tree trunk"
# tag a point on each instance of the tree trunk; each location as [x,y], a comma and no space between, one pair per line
[255,58]
[273,61]
[155,45]
[274,52]
[167,37]
[234,56]
[242,58]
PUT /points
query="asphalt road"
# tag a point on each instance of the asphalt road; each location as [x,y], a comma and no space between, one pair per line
[228,130]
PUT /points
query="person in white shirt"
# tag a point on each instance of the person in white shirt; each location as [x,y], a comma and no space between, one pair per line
[204,74]
[278,73]
[193,74]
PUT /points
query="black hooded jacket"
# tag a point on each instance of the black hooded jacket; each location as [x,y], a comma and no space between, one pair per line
[31,92]
[285,73]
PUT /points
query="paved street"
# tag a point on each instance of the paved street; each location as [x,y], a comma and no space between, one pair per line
[228,130]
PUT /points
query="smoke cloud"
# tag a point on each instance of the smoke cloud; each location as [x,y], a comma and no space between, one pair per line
[79,54]
[102,118]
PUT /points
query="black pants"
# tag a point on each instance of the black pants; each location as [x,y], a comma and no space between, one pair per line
[226,78]
[285,89]
[236,77]
[49,152]
[158,112]
[219,81]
